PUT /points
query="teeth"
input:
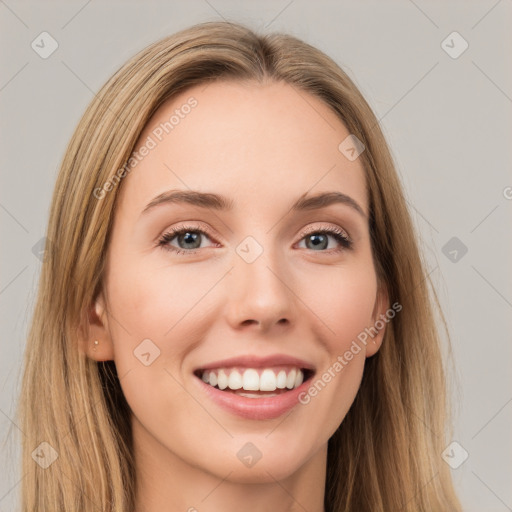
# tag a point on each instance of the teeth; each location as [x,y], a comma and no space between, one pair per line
[268,381]
[290,380]
[253,380]
[235,380]
[281,380]
[222,379]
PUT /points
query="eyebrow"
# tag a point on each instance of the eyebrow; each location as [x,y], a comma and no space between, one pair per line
[222,203]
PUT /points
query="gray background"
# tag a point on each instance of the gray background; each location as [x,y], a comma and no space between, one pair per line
[448,121]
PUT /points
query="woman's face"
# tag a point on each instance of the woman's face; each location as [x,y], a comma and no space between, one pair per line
[255,292]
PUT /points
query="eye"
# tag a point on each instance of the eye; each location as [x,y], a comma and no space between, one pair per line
[318,239]
[188,239]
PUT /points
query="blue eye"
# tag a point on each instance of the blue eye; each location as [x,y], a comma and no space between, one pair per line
[320,239]
[189,236]
[189,239]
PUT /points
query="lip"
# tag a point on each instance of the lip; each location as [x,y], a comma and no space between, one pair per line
[256,408]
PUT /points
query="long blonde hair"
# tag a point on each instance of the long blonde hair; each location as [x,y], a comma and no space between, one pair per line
[386,454]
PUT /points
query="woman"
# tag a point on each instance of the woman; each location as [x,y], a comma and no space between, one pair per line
[233,313]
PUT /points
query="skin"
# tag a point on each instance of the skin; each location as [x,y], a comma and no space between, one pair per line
[262,146]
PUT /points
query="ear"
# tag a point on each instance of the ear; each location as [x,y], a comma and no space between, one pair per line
[379,321]
[95,329]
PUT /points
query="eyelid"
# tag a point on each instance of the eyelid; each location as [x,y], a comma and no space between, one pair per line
[316,229]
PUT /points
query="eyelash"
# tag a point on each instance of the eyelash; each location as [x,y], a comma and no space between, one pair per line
[339,235]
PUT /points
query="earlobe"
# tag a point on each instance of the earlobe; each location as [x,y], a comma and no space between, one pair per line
[380,320]
[94,338]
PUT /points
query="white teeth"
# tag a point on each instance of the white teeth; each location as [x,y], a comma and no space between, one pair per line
[268,381]
[222,379]
[290,380]
[235,380]
[251,380]
[281,380]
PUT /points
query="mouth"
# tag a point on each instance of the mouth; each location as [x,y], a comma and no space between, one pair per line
[255,388]
[255,382]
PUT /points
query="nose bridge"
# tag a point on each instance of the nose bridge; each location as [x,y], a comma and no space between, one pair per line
[259,284]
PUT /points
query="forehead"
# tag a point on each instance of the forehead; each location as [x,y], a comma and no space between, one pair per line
[261,144]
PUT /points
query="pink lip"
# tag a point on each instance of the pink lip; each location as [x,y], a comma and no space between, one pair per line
[254,408]
[258,362]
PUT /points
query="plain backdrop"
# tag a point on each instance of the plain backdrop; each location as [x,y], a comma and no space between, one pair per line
[447,118]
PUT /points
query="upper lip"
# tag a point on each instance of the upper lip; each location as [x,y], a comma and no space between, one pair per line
[251,361]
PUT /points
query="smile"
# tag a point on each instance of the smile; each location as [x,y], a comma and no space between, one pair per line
[256,388]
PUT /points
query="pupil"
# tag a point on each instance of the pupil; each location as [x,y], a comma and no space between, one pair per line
[191,238]
[316,240]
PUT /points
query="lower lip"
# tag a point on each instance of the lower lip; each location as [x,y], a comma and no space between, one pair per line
[255,408]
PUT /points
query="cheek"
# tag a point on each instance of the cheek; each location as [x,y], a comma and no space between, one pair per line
[142,309]
[155,322]
[343,300]
[151,331]
[353,309]
[155,301]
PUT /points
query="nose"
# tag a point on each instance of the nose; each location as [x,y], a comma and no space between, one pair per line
[260,296]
